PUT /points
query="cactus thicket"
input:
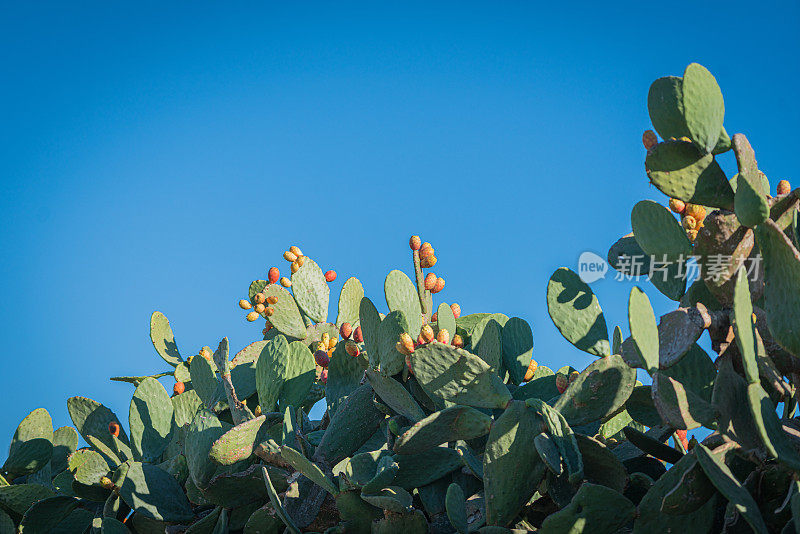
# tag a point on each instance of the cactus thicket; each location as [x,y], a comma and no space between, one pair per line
[435,421]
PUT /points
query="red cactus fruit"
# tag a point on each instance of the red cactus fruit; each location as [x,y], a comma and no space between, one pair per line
[323,376]
[273,275]
[573,376]
[330,276]
[784,187]
[245,304]
[322,358]
[561,382]
[438,286]
[428,262]
[351,348]
[456,310]
[682,437]
[435,317]
[408,364]
[649,139]
[415,242]
[677,206]
[530,371]
[113,428]
[458,341]
[430,281]
[346,330]
[443,336]
[178,388]
[358,335]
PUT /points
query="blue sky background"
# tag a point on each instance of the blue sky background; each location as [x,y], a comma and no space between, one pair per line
[162,156]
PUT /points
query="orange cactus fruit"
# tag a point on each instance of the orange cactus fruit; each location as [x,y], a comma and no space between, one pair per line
[425,250]
[406,343]
[530,371]
[458,341]
[178,388]
[456,309]
[677,206]
[252,316]
[351,348]
[260,308]
[689,223]
[272,300]
[430,281]
[285,282]
[330,276]
[691,234]
[443,336]
[260,298]
[428,262]
[681,434]
[784,188]
[289,256]
[438,286]
[322,358]
[295,250]
[301,260]
[273,275]
[426,332]
[269,311]
[435,317]
[358,335]
[257,411]
[113,428]
[415,242]
[696,211]
[649,139]
[245,304]
[346,330]
[295,267]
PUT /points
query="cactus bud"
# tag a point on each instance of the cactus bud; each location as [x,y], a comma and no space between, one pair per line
[323,376]
[428,262]
[346,330]
[330,276]
[285,282]
[561,382]
[113,428]
[260,298]
[406,343]
[245,304]
[272,300]
[296,251]
[427,333]
[456,309]
[425,250]
[252,316]
[530,371]
[458,341]
[438,286]
[430,281]
[784,188]
[573,376]
[351,348]
[358,335]
[295,267]
[689,223]
[273,275]
[696,211]
[322,358]
[178,388]
[649,139]
[443,336]
[289,256]
[415,242]
[257,411]
[676,205]
[106,483]
[260,308]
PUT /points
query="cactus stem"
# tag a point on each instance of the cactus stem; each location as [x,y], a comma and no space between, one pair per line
[425,300]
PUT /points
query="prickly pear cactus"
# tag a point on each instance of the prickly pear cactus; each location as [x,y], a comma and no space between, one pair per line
[440,422]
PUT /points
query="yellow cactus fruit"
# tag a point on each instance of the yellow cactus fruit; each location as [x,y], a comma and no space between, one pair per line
[301,260]
[530,371]
[784,188]
[428,262]
[106,483]
[443,336]
[684,139]
[252,316]
[289,256]
[689,223]
[677,206]
[649,139]
[430,281]
[295,267]
[696,211]
[438,286]
[245,304]
[415,242]
[285,282]
[426,332]
[257,411]
[260,298]
[691,234]
[458,341]
[294,250]
[324,339]
[406,343]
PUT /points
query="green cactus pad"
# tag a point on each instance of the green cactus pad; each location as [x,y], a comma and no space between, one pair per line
[309,469]
[729,396]
[644,331]
[271,372]
[163,339]
[658,232]
[726,483]
[456,508]
[563,438]
[92,418]
[394,499]
[600,466]
[543,387]
[311,291]
[65,442]
[600,390]
[355,512]
[445,320]
[237,444]
[692,492]
[696,372]
[276,504]
[409,523]
[356,420]
[390,360]
[45,515]
[628,258]
[680,407]
[204,430]
[204,381]
[511,466]
[154,493]
[401,295]
[681,170]
[298,377]
[486,340]
[87,467]
[548,452]
[517,348]
[665,104]
[264,520]
[782,291]
[361,468]
[385,473]
[32,445]
[575,311]
[421,469]
[770,428]
[395,396]
[652,446]
[286,319]
[451,424]
[703,106]
[370,321]
[349,302]
[344,376]
[606,510]
[185,406]
[455,375]
[240,488]
[243,369]
[641,408]
[150,419]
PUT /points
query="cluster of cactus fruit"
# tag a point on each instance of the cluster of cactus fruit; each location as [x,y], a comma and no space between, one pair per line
[438,422]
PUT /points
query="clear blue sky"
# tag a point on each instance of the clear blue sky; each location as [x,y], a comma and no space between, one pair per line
[162,156]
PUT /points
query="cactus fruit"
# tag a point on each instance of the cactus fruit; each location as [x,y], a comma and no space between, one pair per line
[443,336]
[294,267]
[456,309]
[530,371]
[113,429]
[260,298]
[106,483]
[435,317]
[290,256]
[301,260]
[330,276]
[689,223]
[784,188]
[273,275]
[322,358]
[430,281]
[285,282]
[562,381]
[257,411]
[438,286]
[178,388]
[259,308]
[415,242]
[426,333]
[677,206]
[323,376]
[573,376]
[458,341]
[351,348]
[696,211]
[245,304]
[426,250]
[272,300]
[428,262]
[252,316]
[649,139]
[346,330]
[405,345]
[269,311]
[358,335]
[295,250]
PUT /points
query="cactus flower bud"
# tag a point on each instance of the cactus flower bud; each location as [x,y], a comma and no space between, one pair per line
[689,223]
[428,262]
[322,358]
[430,281]
[351,348]
[260,308]
[330,276]
[178,388]
[649,139]
[113,428]
[252,316]
[561,382]
[427,333]
[245,304]
[438,286]
[323,376]
[346,330]
[273,275]
[358,335]
[257,411]
[425,250]
[456,309]
[260,298]
[696,211]
[530,371]
[294,267]
[296,251]
[677,206]
[415,242]
[443,336]
[406,343]
[272,300]
[458,341]
[784,187]
[285,282]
